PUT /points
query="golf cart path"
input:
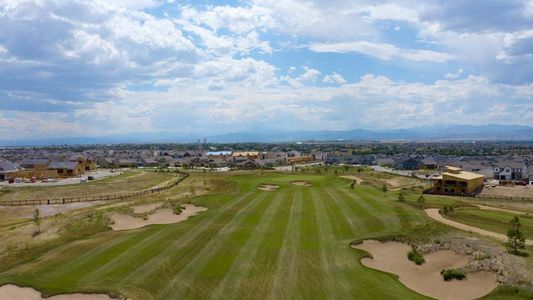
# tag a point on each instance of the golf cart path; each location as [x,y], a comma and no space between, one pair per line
[435,215]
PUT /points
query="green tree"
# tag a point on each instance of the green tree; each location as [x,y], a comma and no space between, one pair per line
[515,238]
[445,210]
[401,197]
[37,221]
[421,201]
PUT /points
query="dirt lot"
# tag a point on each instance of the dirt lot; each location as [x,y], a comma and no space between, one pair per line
[504,191]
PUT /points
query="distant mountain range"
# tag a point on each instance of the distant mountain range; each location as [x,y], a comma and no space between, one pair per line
[437,132]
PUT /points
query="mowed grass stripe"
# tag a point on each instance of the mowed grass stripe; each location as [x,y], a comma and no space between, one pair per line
[311,275]
[260,276]
[164,267]
[68,269]
[184,281]
[379,206]
[286,275]
[125,260]
[208,227]
[344,227]
[324,238]
[227,287]
[372,223]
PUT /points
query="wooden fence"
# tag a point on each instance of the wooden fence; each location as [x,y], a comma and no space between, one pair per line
[106,197]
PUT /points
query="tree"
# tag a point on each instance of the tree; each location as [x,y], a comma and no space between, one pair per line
[445,210]
[37,221]
[401,197]
[421,200]
[515,238]
[352,185]
[384,189]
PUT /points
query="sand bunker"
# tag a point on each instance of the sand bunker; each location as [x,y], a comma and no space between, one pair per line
[301,183]
[141,209]
[10,292]
[268,187]
[355,178]
[426,279]
[160,216]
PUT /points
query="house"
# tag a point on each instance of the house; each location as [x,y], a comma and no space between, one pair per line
[244,155]
[510,170]
[8,170]
[86,163]
[248,165]
[409,164]
[429,163]
[455,181]
[67,168]
[385,162]
[37,164]
[218,154]
[300,159]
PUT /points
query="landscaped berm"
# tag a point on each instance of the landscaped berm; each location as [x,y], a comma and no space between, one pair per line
[292,242]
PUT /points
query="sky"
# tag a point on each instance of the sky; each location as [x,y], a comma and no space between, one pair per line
[101,67]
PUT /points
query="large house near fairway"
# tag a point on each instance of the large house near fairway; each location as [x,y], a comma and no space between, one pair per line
[455,181]
[510,170]
[8,170]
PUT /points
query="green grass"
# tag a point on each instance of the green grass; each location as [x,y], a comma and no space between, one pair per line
[496,221]
[290,243]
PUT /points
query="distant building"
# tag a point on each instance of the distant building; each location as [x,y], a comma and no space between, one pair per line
[455,181]
[218,154]
[8,170]
[510,170]
[245,155]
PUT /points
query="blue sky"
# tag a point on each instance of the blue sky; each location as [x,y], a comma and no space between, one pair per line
[93,68]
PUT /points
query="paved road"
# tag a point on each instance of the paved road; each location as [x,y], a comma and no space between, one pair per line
[435,215]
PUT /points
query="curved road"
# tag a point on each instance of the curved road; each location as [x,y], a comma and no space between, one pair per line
[435,215]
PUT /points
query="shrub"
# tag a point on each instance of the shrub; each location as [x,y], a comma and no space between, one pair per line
[415,257]
[449,274]
[401,197]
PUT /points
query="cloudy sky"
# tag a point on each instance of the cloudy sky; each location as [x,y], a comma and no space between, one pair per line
[103,67]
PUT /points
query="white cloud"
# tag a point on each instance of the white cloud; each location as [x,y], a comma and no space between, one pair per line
[455,75]
[382,51]
[334,78]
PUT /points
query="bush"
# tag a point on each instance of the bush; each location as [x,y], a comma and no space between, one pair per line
[449,274]
[416,257]
[401,197]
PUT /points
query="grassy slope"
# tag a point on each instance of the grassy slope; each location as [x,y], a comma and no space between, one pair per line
[496,221]
[292,243]
[128,182]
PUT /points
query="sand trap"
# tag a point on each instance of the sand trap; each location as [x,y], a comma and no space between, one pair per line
[11,292]
[160,216]
[426,279]
[351,177]
[141,209]
[435,215]
[301,183]
[268,187]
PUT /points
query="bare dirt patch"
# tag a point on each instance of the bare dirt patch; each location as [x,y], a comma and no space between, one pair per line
[358,180]
[508,191]
[160,216]
[435,215]
[268,187]
[426,279]
[301,183]
[10,291]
